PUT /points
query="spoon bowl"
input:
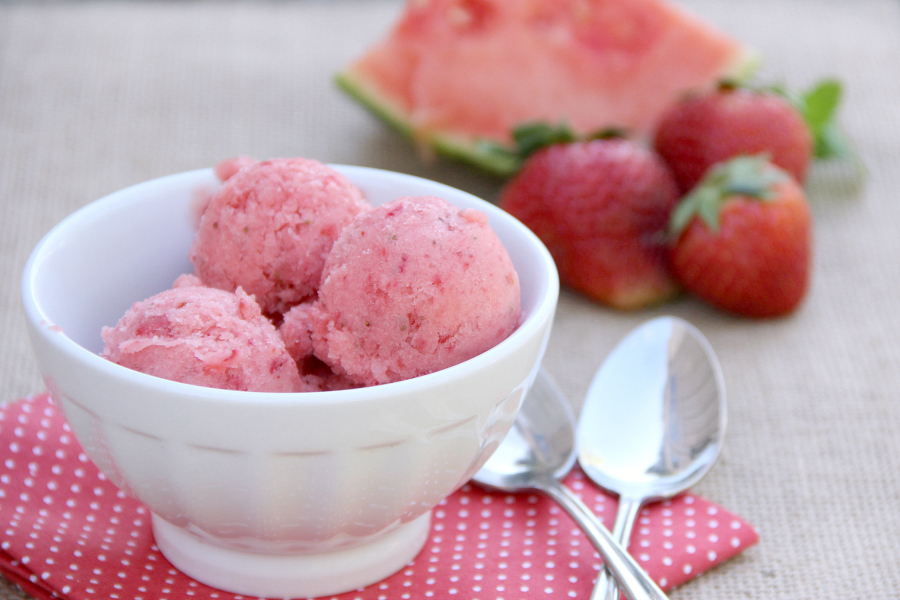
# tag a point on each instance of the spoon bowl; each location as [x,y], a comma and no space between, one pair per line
[653,421]
[540,445]
[535,455]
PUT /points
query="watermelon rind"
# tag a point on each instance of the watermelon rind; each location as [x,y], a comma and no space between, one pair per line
[484,156]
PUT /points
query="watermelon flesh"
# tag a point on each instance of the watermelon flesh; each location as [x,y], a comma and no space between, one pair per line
[454,72]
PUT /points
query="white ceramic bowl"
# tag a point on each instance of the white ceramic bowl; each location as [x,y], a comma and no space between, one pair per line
[268,494]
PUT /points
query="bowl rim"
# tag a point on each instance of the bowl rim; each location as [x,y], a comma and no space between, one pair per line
[40,324]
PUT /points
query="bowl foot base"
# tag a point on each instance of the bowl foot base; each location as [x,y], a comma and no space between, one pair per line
[294,575]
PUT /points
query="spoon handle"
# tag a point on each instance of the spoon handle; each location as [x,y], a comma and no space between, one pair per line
[626,515]
[633,580]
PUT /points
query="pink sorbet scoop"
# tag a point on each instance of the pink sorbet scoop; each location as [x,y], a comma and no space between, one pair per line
[269,228]
[203,336]
[411,287]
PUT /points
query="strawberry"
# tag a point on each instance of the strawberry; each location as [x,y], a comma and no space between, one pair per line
[742,239]
[601,207]
[703,129]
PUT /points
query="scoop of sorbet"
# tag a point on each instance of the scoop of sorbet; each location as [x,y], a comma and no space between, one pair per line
[269,228]
[296,332]
[411,287]
[203,336]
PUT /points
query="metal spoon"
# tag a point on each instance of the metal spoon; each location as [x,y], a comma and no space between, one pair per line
[538,451]
[653,421]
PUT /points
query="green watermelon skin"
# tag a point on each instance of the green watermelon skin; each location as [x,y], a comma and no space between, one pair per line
[452,74]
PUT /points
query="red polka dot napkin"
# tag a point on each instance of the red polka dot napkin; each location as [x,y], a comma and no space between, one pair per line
[70,533]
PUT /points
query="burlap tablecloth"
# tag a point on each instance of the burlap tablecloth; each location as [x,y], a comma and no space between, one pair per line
[96,96]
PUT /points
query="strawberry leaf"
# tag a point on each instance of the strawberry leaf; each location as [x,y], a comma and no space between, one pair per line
[745,176]
[748,176]
[530,137]
[708,201]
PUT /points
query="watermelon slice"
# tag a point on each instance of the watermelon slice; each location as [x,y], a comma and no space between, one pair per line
[454,74]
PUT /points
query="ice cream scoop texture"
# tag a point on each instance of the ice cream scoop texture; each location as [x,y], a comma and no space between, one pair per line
[203,336]
[270,226]
[411,287]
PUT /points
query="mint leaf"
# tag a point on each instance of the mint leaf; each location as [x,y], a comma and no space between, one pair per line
[819,107]
[832,143]
[821,102]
